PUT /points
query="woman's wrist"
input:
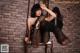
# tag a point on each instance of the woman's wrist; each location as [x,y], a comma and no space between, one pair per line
[46,9]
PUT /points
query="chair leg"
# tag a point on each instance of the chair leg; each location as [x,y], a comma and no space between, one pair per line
[51,47]
[45,48]
[25,48]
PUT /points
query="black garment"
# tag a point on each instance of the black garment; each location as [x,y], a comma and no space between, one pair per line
[60,22]
[60,36]
[50,26]
[45,29]
[46,26]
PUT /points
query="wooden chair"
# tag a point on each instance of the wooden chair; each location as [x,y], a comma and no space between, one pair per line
[47,44]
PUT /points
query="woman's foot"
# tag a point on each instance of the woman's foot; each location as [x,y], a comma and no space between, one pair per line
[66,42]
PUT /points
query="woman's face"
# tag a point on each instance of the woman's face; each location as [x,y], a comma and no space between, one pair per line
[38,13]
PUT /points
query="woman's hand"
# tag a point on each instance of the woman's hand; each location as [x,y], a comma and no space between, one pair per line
[52,14]
[43,6]
[26,39]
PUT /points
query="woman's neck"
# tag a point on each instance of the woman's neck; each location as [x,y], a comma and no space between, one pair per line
[34,17]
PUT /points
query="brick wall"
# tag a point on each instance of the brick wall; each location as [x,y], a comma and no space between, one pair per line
[13,15]
[13,23]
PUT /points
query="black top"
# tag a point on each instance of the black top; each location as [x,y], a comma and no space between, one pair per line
[50,26]
[47,26]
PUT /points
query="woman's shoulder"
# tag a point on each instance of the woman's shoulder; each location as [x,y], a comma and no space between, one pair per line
[29,18]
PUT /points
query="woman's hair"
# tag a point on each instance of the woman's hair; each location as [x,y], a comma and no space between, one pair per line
[57,11]
[59,17]
[34,9]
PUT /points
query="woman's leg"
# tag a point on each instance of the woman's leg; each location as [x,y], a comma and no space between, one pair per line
[60,36]
[45,36]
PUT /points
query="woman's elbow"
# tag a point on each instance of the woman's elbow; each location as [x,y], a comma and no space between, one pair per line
[54,15]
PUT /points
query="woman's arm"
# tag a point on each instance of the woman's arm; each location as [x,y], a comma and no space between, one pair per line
[29,24]
[29,28]
[52,14]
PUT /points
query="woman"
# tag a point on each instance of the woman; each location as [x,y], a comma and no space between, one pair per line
[54,25]
[36,12]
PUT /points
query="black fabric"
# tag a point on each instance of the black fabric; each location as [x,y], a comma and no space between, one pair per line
[50,26]
[60,36]
[60,22]
[45,36]
[46,26]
